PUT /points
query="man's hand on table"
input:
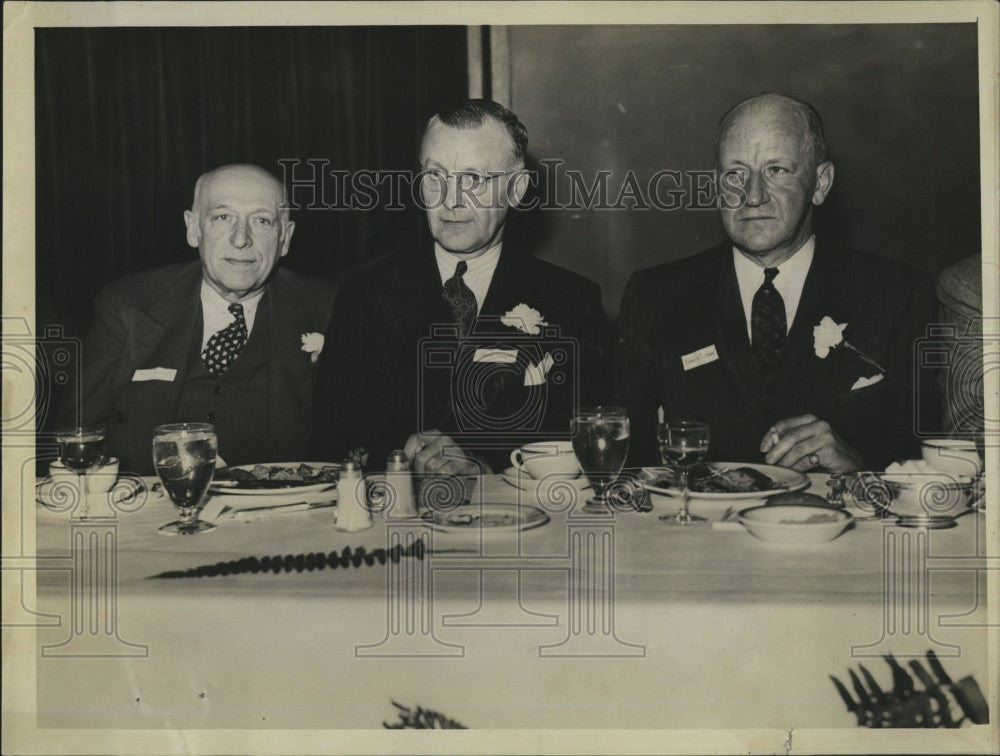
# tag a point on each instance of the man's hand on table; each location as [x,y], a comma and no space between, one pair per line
[434,453]
[805,443]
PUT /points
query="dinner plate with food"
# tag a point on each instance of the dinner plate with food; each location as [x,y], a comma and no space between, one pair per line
[725,481]
[275,478]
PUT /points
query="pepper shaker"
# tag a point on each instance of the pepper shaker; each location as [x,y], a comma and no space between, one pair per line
[400,482]
[352,498]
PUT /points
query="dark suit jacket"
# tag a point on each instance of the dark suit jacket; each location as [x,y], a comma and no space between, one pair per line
[393,364]
[152,319]
[677,308]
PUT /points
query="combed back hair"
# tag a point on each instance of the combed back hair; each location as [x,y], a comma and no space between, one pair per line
[199,187]
[812,122]
[470,114]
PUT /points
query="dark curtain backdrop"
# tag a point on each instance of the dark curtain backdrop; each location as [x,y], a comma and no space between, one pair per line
[128,118]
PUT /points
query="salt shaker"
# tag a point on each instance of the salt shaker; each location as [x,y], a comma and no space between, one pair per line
[352,498]
[399,481]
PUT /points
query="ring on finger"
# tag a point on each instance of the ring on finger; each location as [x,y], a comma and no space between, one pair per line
[813,459]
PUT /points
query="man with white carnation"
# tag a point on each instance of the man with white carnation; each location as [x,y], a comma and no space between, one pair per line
[230,340]
[461,347]
[797,351]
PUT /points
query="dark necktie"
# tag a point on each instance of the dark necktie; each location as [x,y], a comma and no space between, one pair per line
[460,299]
[225,346]
[767,322]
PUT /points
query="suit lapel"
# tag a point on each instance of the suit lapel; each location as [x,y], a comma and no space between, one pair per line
[505,291]
[413,296]
[290,368]
[731,334]
[826,291]
[163,336]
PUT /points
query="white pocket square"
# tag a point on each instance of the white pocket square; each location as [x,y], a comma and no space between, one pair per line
[535,374]
[154,374]
[495,355]
[862,382]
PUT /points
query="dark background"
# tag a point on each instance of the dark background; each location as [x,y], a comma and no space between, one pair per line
[128,118]
[899,104]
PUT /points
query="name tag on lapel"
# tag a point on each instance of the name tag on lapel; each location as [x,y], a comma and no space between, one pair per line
[495,355]
[703,356]
[154,374]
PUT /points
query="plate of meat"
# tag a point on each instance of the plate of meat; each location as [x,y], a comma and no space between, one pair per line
[278,477]
[725,481]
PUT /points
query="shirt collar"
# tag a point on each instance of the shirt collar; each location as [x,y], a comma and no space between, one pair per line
[481,266]
[795,267]
[215,308]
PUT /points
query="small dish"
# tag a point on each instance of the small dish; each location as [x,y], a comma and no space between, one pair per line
[795,524]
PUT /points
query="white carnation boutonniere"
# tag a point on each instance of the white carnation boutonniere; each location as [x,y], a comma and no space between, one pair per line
[312,343]
[830,334]
[524,318]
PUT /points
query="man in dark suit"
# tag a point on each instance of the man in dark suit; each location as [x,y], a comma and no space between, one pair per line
[221,341]
[798,352]
[460,349]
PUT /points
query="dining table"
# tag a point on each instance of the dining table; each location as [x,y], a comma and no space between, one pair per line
[574,620]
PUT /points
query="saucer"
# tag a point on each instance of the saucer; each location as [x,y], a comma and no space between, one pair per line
[522,479]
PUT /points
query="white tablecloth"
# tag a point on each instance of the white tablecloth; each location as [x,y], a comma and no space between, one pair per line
[686,628]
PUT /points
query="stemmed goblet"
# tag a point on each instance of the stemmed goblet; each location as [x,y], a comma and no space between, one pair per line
[184,458]
[80,449]
[683,444]
[600,441]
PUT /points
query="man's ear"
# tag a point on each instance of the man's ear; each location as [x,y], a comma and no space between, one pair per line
[287,229]
[193,229]
[518,187]
[824,181]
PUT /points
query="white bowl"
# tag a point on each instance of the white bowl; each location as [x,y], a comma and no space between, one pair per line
[953,455]
[795,524]
[935,494]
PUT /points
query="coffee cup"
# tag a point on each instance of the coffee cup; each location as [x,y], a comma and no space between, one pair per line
[100,479]
[543,458]
[953,455]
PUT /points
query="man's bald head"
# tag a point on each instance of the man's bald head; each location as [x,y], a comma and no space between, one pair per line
[803,115]
[241,173]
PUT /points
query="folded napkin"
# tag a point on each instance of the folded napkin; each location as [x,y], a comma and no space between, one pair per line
[227,505]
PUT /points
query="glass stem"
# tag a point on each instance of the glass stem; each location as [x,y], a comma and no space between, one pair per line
[683,514]
[84,493]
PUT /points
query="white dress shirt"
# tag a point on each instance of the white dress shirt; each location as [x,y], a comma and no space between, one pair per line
[216,315]
[789,281]
[478,275]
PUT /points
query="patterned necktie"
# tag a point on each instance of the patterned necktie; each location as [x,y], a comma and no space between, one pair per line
[767,322]
[460,299]
[225,346]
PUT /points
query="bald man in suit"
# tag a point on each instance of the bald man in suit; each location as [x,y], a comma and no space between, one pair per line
[219,340]
[729,336]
